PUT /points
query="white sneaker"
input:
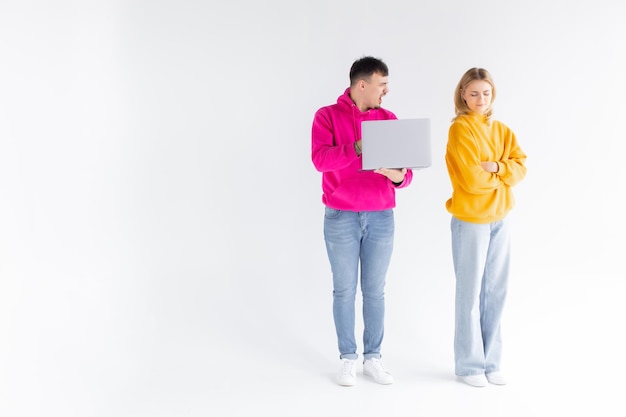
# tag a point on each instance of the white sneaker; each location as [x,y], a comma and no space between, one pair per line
[496,378]
[347,373]
[475,380]
[374,367]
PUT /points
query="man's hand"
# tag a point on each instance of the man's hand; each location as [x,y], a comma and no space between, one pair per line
[395,175]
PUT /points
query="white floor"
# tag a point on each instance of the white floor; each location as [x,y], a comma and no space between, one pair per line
[264,355]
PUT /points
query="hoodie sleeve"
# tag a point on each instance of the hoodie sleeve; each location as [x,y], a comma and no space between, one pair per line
[513,162]
[408,178]
[328,152]
[463,161]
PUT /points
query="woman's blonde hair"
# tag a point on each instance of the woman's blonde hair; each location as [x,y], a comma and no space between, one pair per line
[472,74]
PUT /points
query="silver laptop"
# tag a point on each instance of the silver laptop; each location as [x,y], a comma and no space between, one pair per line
[398,143]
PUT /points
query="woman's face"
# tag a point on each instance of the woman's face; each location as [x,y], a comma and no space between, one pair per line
[477,95]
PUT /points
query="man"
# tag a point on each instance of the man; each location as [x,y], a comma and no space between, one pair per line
[359,218]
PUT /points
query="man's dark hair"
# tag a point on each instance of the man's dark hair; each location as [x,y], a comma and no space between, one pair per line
[366,67]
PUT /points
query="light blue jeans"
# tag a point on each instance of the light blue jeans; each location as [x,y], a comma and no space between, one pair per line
[352,237]
[481,254]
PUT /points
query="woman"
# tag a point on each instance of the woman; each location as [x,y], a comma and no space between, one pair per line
[484,162]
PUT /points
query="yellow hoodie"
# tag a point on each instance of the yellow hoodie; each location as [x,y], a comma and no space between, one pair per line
[479,196]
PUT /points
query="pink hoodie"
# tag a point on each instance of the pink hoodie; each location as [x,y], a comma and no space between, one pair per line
[344,185]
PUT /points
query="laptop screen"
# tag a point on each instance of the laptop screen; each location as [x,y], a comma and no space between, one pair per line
[397,143]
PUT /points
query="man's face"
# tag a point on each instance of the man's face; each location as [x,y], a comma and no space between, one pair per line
[374,91]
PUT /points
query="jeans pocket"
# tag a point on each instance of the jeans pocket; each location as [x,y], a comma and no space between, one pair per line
[331,213]
[387,213]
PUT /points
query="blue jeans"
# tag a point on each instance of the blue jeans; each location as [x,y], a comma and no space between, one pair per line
[480,255]
[352,237]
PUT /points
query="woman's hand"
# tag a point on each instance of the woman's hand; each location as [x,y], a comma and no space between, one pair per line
[490,166]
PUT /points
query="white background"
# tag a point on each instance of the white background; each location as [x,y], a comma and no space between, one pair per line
[161,248]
